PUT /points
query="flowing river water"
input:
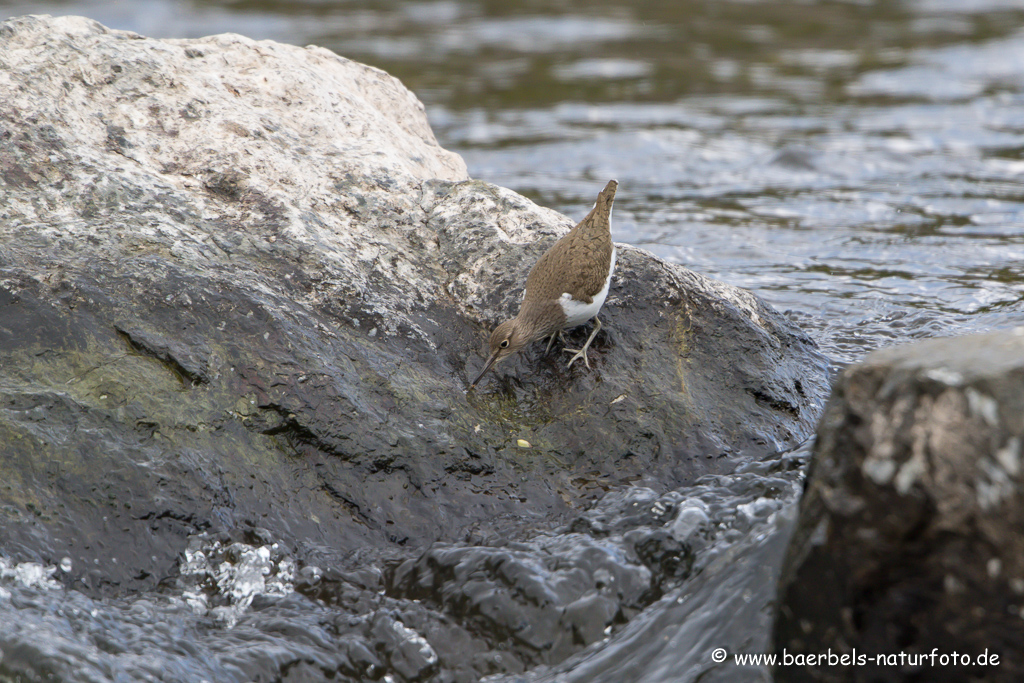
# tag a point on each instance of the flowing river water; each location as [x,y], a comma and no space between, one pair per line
[857,164]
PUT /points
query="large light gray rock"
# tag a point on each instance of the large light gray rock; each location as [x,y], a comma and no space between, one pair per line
[242,289]
[911,531]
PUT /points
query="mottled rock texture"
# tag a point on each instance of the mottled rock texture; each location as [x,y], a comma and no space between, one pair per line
[242,290]
[911,530]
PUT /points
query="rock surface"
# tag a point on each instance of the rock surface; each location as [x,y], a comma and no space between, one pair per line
[911,529]
[242,292]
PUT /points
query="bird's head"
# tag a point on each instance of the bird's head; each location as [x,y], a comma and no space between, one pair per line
[507,338]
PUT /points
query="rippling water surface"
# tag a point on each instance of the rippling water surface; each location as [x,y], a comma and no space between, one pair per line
[860,165]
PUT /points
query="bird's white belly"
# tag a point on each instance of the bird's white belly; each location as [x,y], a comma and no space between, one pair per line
[578,312]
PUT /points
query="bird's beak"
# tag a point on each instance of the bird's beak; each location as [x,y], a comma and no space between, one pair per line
[490,361]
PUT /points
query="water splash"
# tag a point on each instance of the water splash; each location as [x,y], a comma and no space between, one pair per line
[221,579]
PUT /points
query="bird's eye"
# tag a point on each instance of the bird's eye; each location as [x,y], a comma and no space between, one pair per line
[504,343]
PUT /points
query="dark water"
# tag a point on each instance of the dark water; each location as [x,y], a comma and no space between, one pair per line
[859,165]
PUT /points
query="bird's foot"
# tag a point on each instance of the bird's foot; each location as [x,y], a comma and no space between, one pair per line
[582,353]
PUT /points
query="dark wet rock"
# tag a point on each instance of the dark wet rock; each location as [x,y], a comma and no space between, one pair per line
[911,531]
[720,524]
[410,655]
[355,625]
[544,609]
[241,291]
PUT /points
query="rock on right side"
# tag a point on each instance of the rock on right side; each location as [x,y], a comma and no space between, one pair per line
[908,555]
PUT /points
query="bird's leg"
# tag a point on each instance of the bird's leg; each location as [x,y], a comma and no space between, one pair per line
[551,340]
[582,353]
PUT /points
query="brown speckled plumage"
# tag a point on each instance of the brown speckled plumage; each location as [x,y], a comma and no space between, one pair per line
[578,264]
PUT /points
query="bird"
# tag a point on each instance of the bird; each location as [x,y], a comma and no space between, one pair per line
[565,288]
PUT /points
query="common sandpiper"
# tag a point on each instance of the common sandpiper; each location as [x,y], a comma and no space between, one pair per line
[565,289]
